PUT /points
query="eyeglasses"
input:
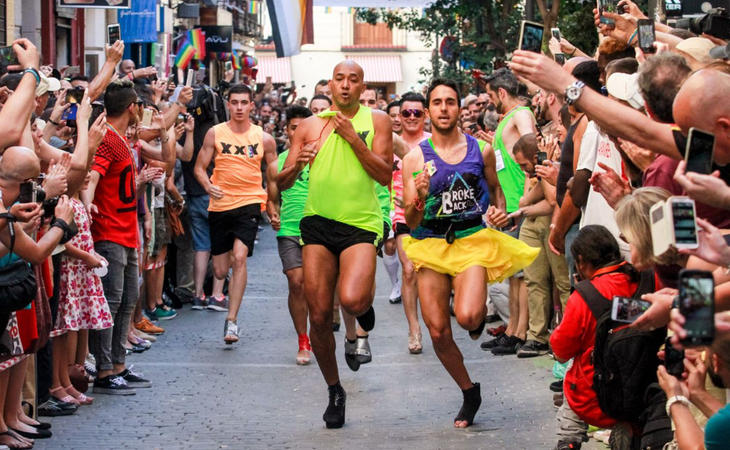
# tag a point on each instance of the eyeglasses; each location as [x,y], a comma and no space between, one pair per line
[417,113]
[481,103]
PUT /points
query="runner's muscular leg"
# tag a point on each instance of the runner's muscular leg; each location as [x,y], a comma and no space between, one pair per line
[357,277]
[433,290]
[297,302]
[470,297]
[237,285]
[320,274]
[409,291]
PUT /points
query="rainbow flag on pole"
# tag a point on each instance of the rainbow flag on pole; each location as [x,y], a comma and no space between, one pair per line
[253,7]
[185,55]
[236,60]
[197,39]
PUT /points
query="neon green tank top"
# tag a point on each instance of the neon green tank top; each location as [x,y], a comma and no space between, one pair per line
[384,200]
[339,187]
[292,201]
[510,175]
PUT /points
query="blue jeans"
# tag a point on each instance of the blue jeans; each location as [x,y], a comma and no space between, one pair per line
[198,209]
[569,238]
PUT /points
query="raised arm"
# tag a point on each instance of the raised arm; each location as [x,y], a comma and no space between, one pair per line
[15,113]
[102,79]
[613,117]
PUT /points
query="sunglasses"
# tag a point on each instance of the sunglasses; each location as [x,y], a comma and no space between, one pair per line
[417,113]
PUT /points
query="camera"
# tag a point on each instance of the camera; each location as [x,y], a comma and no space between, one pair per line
[31,192]
[715,23]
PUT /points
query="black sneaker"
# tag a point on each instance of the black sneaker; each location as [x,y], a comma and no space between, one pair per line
[54,408]
[134,379]
[568,445]
[556,386]
[509,346]
[490,344]
[112,385]
[532,349]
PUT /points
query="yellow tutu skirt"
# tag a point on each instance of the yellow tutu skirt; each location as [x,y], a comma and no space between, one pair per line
[500,254]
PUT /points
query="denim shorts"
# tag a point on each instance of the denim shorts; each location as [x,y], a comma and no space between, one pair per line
[198,208]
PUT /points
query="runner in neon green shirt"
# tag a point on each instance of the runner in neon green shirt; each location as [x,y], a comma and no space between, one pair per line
[349,150]
[285,210]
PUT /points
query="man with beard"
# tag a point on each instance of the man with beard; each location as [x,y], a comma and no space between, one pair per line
[349,149]
[450,182]
[714,362]
[517,121]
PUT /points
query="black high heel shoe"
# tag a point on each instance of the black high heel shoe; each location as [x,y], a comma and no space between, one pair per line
[334,415]
[472,401]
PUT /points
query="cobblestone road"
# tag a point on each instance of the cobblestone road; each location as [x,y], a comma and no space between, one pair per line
[207,396]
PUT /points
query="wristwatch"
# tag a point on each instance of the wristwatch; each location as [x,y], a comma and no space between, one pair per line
[676,399]
[572,92]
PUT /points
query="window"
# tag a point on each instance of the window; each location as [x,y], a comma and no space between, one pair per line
[372,36]
[3,26]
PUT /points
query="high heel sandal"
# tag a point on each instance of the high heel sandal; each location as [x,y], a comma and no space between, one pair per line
[472,401]
[83,399]
[414,343]
[60,394]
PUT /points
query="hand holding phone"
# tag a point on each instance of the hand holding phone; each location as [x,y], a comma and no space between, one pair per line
[531,36]
[189,79]
[697,306]
[699,151]
[673,359]
[8,57]
[627,310]
[147,117]
[647,36]
[113,33]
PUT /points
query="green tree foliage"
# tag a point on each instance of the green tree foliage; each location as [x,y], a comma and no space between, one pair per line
[486,31]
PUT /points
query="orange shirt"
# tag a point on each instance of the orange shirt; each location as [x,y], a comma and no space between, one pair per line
[237,169]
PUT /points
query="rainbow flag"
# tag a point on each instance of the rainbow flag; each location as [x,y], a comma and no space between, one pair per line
[236,60]
[252,7]
[185,55]
[197,38]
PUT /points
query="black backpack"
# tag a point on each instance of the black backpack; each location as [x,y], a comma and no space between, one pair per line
[205,105]
[624,358]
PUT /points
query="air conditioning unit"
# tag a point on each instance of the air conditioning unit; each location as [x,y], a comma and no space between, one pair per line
[188,11]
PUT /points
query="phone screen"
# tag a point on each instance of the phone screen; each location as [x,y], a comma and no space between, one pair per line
[697,305]
[698,153]
[531,37]
[607,6]
[673,359]
[627,310]
[8,56]
[685,225]
[229,65]
[147,117]
[113,33]
[646,36]
[556,33]
[560,58]
[541,157]
[189,79]
[70,113]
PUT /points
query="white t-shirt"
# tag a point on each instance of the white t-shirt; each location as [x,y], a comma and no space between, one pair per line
[596,147]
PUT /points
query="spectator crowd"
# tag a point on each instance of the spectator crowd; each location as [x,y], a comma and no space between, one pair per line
[104,230]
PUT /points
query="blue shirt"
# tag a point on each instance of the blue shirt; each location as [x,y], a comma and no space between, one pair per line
[717,430]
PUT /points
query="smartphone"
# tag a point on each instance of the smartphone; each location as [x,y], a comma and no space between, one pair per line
[559,58]
[608,6]
[531,36]
[113,33]
[556,33]
[70,115]
[180,119]
[647,36]
[673,359]
[27,192]
[699,151]
[697,305]
[624,309]
[684,222]
[189,79]
[541,157]
[229,66]
[75,95]
[8,56]
[147,117]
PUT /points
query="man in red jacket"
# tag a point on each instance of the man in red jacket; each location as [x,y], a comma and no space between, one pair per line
[597,258]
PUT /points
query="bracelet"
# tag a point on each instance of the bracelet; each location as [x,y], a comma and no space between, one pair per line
[633,35]
[35,74]
[53,122]
[575,49]
[68,232]
[676,399]
[181,105]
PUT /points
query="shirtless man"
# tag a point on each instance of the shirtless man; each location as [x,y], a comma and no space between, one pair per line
[517,121]
[349,150]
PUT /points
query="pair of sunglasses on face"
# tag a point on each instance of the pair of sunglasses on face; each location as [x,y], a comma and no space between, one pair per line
[417,113]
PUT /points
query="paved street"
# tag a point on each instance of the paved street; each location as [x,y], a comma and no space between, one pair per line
[252,395]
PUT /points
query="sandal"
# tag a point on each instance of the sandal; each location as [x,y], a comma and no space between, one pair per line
[18,442]
[472,401]
[82,398]
[414,343]
[61,395]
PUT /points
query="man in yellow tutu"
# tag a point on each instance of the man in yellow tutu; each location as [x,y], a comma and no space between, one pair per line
[449,181]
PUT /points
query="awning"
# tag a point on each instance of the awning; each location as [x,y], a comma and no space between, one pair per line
[279,69]
[379,69]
